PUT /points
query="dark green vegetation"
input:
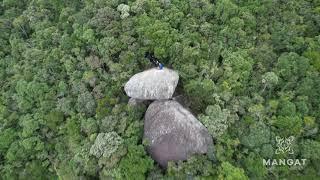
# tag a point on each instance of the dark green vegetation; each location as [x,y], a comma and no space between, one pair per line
[249,68]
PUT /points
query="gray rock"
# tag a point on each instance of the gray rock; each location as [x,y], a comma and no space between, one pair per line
[173,133]
[152,84]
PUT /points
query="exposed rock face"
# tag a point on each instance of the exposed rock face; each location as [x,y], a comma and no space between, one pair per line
[152,84]
[173,133]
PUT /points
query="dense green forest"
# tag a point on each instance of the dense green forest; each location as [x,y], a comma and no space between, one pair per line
[250,71]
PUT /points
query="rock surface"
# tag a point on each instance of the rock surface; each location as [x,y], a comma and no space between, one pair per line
[173,133]
[152,84]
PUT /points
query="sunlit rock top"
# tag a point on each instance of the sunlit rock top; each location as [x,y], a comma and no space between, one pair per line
[152,84]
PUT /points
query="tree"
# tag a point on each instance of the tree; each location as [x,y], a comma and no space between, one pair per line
[124,9]
[108,148]
[258,135]
[225,10]
[200,92]
[288,125]
[195,167]
[54,119]
[310,149]
[228,171]
[7,136]
[255,168]
[216,120]
[106,144]
[86,103]
[269,80]
[29,125]
[136,163]
[89,126]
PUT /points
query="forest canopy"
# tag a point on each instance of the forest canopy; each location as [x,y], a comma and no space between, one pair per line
[249,69]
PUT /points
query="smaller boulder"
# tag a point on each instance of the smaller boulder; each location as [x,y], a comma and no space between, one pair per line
[152,84]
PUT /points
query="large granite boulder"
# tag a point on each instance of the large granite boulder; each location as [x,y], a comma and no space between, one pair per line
[152,84]
[173,133]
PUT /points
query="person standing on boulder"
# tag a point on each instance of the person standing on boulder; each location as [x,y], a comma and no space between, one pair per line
[153,60]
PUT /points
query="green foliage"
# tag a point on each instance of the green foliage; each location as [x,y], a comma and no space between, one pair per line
[228,171]
[136,163]
[53,120]
[288,125]
[105,106]
[314,56]
[255,168]
[200,92]
[292,66]
[216,120]
[106,144]
[310,150]
[108,148]
[248,69]
[124,9]
[225,10]
[198,167]
[238,67]
[89,126]
[35,169]
[225,148]
[270,79]
[73,132]
[257,135]
[6,138]
[29,125]
[86,103]
[158,35]
[287,108]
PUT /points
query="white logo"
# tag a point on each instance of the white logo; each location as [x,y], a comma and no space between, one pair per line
[284,145]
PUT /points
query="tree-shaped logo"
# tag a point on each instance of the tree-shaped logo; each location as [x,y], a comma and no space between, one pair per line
[284,145]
